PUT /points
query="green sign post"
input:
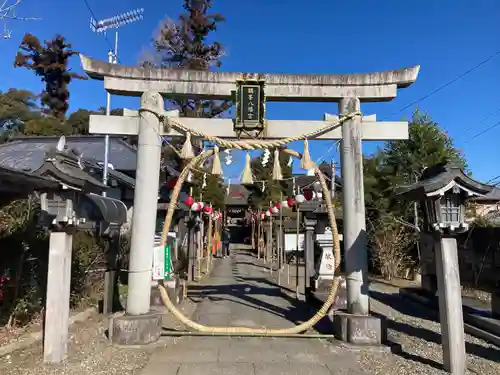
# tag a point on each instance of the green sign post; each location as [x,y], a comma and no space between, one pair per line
[162,265]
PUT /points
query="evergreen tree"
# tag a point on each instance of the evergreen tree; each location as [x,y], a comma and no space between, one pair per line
[185,45]
[50,62]
[273,190]
[402,163]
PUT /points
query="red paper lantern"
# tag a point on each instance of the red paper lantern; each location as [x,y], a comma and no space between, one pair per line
[189,201]
[171,183]
[207,209]
[290,202]
[270,210]
[308,194]
[278,206]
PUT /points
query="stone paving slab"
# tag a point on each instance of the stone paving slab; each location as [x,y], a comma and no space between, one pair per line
[218,369]
[240,293]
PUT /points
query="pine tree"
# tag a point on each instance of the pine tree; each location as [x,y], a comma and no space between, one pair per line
[50,62]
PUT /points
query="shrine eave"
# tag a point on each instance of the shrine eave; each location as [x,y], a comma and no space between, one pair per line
[440,178]
[132,81]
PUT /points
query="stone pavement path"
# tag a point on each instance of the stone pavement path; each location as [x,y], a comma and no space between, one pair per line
[240,293]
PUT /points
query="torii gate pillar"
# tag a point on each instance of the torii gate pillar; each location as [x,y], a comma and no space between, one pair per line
[353,205]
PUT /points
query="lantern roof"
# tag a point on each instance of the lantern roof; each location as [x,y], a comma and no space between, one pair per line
[438,179]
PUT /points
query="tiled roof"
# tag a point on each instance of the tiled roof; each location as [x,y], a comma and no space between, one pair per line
[238,195]
[27,153]
[493,195]
[19,180]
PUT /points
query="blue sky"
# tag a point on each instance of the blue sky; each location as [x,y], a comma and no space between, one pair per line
[294,36]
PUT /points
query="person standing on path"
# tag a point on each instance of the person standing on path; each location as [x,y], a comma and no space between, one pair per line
[226,239]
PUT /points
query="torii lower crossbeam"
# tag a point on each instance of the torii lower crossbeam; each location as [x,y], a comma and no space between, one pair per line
[371,130]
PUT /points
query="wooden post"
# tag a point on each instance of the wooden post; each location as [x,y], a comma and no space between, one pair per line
[309,253]
[269,230]
[297,291]
[209,243]
[191,249]
[271,247]
[280,235]
[58,293]
[199,248]
[450,306]
[259,230]
[253,232]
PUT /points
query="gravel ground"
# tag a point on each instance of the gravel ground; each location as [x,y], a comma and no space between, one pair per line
[418,336]
[89,352]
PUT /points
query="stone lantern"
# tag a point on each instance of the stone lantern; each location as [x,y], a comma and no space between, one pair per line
[74,204]
[442,191]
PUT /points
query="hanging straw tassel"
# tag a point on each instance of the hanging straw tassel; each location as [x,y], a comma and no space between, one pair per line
[246,177]
[216,166]
[306,162]
[277,175]
[187,149]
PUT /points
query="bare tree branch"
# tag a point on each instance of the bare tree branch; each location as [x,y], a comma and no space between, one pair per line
[8,12]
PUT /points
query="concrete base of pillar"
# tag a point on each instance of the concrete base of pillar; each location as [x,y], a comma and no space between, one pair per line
[359,329]
[135,330]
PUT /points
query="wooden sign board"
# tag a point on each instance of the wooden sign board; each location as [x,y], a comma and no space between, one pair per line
[250,105]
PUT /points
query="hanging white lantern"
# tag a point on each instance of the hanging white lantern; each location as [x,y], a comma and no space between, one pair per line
[275,210]
[195,207]
[300,198]
[284,204]
[268,213]
[201,205]
[319,195]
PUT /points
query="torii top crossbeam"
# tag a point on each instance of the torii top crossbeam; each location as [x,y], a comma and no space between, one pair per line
[133,81]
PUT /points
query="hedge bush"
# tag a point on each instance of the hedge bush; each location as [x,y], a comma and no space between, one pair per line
[24,263]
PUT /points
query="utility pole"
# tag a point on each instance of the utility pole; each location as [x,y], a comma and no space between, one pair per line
[101,27]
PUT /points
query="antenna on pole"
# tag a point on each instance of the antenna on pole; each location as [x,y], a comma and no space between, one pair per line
[116,21]
[101,26]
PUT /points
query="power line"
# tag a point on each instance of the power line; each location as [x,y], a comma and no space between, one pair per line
[484,131]
[94,16]
[483,120]
[496,54]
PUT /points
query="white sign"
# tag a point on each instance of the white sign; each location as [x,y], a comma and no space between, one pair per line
[158,262]
[291,242]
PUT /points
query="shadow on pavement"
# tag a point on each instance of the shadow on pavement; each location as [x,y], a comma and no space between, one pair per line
[248,290]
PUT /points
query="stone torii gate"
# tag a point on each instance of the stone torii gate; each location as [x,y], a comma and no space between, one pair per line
[348,90]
